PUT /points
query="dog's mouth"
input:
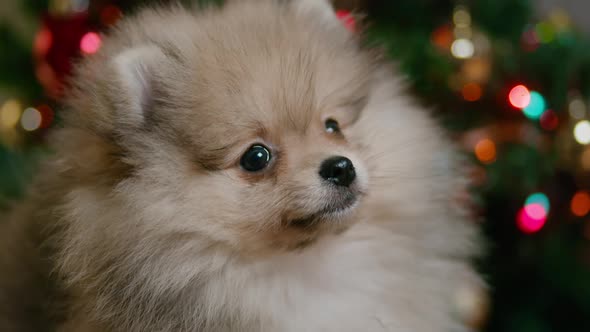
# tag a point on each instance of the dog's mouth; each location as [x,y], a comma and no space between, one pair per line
[333,211]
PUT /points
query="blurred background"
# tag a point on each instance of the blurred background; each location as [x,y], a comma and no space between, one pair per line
[509,79]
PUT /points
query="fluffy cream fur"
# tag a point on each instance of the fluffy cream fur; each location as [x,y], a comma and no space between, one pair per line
[144,221]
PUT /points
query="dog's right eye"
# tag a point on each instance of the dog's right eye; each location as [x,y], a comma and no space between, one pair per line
[256,158]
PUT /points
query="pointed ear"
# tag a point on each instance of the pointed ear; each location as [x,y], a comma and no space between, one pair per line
[323,8]
[136,73]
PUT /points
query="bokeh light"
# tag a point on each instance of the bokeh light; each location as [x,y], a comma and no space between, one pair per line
[535,211]
[577,108]
[549,120]
[580,204]
[539,199]
[471,92]
[10,114]
[90,43]
[462,48]
[31,119]
[461,17]
[545,31]
[485,151]
[519,96]
[582,132]
[560,19]
[536,107]
[47,115]
[79,5]
[530,41]
[347,19]
[110,15]
[532,219]
[43,42]
[442,37]
[585,159]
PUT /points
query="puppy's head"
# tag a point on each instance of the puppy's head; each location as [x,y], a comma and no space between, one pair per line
[231,125]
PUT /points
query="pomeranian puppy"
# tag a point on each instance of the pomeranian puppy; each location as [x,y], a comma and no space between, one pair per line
[244,168]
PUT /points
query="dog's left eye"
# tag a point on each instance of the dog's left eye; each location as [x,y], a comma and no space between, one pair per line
[332,126]
[256,158]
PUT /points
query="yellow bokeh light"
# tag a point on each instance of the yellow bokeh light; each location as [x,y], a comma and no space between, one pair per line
[560,19]
[10,114]
[582,132]
[31,119]
[461,17]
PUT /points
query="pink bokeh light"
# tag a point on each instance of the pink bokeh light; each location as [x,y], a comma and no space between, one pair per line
[90,43]
[519,96]
[531,218]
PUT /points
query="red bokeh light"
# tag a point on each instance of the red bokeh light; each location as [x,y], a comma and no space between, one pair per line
[549,120]
[110,15]
[472,92]
[580,204]
[442,37]
[43,41]
[347,19]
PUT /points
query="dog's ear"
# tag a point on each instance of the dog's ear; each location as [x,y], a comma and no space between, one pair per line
[323,8]
[136,73]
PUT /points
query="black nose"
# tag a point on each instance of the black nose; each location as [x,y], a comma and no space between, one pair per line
[338,170]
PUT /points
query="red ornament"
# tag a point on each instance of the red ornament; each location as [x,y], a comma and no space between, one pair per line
[347,19]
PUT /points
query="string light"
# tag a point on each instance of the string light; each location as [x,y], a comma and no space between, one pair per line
[577,108]
[462,48]
[527,223]
[535,211]
[549,120]
[442,37]
[43,42]
[10,114]
[110,15]
[79,5]
[545,32]
[90,43]
[580,204]
[31,119]
[462,23]
[560,20]
[582,132]
[519,96]
[536,106]
[485,151]
[533,216]
[538,198]
[66,7]
[346,19]
[461,17]
[46,115]
[585,159]
[530,40]
[471,92]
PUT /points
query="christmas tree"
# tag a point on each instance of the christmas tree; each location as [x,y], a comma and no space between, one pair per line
[512,89]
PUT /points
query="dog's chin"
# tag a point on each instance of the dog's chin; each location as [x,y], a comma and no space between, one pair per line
[334,215]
